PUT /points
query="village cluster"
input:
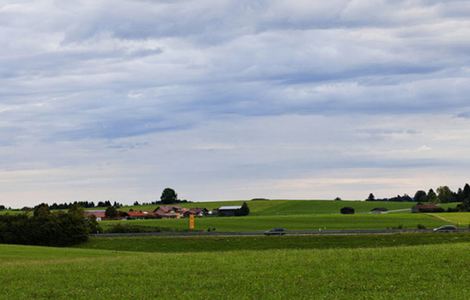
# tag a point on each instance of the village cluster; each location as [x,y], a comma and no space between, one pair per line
[169,212]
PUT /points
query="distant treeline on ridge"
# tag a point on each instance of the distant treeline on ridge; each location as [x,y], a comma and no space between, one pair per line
[444,195]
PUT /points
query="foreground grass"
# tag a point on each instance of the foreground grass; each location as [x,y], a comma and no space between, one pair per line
[233,243]
[292,222]
[416,272]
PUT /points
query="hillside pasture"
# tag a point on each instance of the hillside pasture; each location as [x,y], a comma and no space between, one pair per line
[292,207]
[461,219]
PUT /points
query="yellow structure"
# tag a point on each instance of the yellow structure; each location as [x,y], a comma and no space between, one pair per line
[191,222]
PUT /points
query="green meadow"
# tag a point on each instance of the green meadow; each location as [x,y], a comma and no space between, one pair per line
[461,219]
[433,271]
[243,243]
[295,215]
[291,222]
[292,207]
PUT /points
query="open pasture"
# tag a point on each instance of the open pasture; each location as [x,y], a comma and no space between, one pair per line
[234,243]
[402,272]
[461,219]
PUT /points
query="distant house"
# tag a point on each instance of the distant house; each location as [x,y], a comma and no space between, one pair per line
[168,212]
[229,211]
[379,210]
[198,212]
[133,215]
[426,208]
[98,214]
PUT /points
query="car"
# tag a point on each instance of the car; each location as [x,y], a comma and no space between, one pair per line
[445,228]
[275,231]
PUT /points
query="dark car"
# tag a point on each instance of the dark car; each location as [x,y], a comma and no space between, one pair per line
[275,231]
[445,228]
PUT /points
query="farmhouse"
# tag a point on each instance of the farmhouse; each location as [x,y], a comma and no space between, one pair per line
[198,212]
[426,208]
[229,211]
[99,214]
[139,215]
[168,212]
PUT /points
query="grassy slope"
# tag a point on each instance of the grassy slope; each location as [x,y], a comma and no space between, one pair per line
[214,243]
[292,207]
[379,273]
[461,219]
[293,222]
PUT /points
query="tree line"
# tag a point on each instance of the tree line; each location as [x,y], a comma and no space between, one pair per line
[47,228]
[442,194]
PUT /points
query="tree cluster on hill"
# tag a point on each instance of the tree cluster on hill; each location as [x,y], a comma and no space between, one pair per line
[46,228]
[84,204]
[443,194]
[169,196]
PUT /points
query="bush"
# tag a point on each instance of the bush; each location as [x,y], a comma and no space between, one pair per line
[347,211]
[421,226]
[45,229]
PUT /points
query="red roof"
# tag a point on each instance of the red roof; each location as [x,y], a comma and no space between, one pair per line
[137,214]
[96,213]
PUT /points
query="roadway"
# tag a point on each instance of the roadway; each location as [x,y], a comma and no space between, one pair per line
[261,233]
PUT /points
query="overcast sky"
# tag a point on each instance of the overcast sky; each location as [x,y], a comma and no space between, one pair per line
[116,100]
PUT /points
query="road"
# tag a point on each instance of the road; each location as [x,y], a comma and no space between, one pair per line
[261,233]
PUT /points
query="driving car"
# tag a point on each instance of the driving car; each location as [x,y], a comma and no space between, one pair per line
[445,228]
[275,231]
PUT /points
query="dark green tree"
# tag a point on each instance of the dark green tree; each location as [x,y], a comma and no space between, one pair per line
[42,210]
[371,197]
[431,197]
[465,206]
[444,194]
[111,212]
[420,196]
[169,196]
[244,210]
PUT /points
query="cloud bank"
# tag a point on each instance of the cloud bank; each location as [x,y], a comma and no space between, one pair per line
[231,99]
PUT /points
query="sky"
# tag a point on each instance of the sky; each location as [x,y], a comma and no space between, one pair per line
[232,99]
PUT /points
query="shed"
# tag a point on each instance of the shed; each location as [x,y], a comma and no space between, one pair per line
[229,211]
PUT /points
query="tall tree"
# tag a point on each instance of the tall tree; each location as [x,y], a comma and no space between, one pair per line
[465,206]
[420,196]
[111,212]
[431,197]
[371,197]
[445,194]
[244,210]
[42,210]
[169,196]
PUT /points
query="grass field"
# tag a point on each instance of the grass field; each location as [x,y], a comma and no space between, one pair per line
[399,272]
[293,222]
[296,215]
[295,207]
[234,243]
[461,219]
